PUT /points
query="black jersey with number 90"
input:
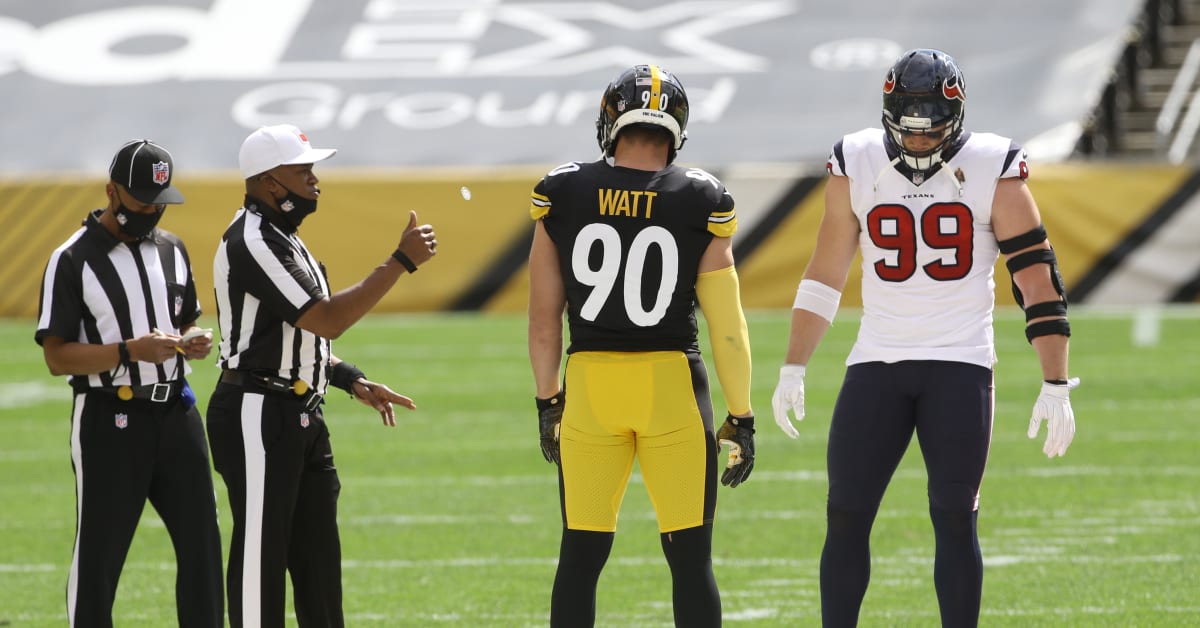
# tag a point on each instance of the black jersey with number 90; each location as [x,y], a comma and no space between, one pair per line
[629,244]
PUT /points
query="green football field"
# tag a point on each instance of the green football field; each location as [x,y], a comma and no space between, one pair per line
[452,518]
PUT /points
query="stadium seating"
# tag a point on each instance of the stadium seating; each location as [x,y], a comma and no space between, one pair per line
[1150,108]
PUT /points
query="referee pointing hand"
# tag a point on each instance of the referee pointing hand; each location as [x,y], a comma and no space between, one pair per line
[265,421]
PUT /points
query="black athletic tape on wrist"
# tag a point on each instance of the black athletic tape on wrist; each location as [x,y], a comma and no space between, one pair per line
[1059,327]
[344,374]
[746,422]
[123,352]
[407,263]
[546,404]
[1056,382]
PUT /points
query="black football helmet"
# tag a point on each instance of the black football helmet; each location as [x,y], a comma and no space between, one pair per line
[923,93]
[643,94]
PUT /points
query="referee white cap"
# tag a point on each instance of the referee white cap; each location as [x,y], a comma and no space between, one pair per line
[278,145]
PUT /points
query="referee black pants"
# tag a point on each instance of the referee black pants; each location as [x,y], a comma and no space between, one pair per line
[277,463]
[123,453]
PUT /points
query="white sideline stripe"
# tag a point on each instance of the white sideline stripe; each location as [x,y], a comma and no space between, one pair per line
[34,568]
[535,480]
[1086,610]
[471,562]
[413,520]
[787,610]
[754,563]
[1108,525]
[779,476]
[31,393]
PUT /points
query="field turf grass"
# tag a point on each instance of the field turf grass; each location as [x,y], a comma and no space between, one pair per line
[452,518]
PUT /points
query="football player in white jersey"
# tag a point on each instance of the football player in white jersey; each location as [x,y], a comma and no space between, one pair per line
[931,206]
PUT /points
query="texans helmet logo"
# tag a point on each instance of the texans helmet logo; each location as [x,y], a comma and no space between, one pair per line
[951,90]
[889,83]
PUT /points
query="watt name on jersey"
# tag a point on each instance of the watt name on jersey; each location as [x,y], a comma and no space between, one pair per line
[629,244]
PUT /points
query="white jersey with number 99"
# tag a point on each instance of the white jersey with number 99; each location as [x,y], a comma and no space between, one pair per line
[928,250]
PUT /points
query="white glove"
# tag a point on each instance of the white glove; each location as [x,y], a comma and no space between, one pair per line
[789,394]
[1054,405]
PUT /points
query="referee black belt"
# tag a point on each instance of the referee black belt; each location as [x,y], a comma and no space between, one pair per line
[161,392]
[297,389]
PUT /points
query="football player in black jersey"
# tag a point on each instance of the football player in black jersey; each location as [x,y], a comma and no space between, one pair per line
[628,245]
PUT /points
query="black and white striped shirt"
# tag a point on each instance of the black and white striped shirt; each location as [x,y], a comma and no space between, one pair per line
[100,290]
[265,279]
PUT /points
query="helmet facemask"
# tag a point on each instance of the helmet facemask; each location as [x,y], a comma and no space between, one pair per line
[923,95]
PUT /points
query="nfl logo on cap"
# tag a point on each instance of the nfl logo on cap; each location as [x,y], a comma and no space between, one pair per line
[162,172]
[122,421]
[144,169]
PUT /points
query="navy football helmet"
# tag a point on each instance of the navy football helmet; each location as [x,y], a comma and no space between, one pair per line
[643,95]
[923,94]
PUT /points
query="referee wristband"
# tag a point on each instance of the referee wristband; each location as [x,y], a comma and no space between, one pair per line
[344,374]
[407,263]
[123,354]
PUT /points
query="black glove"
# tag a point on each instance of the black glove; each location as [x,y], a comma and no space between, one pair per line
[738,433]
[549,416]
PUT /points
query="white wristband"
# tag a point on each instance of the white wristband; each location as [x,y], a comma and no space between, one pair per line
[817,298]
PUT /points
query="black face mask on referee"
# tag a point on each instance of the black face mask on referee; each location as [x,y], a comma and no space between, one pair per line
[134,224]
[295,208]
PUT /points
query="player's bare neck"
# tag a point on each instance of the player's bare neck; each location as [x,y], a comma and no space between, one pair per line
[637,154]
[640,160]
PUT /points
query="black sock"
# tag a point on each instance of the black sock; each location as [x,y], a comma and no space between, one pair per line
[581,557]
[957,567]
[693,586]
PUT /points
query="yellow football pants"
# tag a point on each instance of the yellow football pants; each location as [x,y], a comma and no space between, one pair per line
[653,407]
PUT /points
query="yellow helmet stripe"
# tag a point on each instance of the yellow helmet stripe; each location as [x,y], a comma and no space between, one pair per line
[655,86]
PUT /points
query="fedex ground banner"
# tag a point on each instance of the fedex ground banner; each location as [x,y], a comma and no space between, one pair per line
[482,82]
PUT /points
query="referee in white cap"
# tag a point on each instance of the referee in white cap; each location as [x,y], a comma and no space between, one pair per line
[270,444]
[117,300]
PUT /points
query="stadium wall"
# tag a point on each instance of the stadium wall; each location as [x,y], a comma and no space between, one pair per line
[1125,234]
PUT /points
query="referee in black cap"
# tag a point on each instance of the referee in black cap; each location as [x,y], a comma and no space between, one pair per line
[117,303]
[265,421]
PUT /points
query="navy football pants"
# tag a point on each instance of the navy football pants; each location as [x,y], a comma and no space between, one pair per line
[949,407]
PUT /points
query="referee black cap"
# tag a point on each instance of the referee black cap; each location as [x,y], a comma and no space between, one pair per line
[145,169]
